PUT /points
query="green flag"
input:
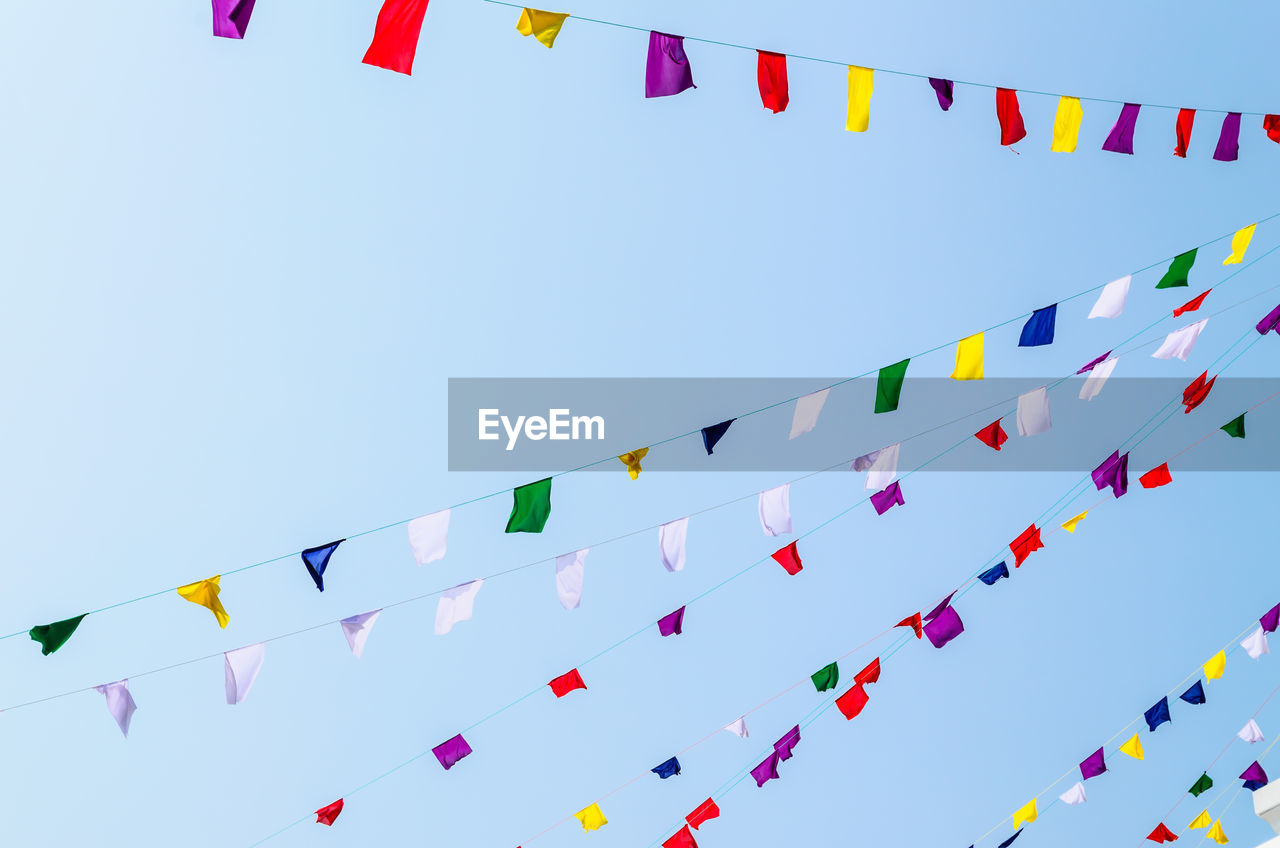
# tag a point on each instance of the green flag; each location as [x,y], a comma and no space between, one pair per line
[1235,427]
[531,509]
[826,677]
[53,636]
[1203,784]
[1179,268]
[889,386]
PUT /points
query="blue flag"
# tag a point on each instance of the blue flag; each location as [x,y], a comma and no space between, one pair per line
[1009,841]
[1039,327]
[994,573]
[1194,695]
[1158,714]
[667,769]
[317,560]
[713,434]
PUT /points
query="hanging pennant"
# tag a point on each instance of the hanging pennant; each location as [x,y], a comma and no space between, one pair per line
[771,77]
[1192,305]
[999,571]
[1197,391]
[1228,149]
[205,593]
[889,386]
[1202,785]
[1026,544]
[568,682]
[881,466]
[1074,796]
[705,812]
[1255,645]
[1070,524]
[631,459]
[775,510]
[852,702]
[945,627]
[1066,125]
[1186,118]
[1026,814]
[826,677]
[1039,327]
[667,768]
[1239,244]
[395,36]
[1271,126]
[1161,833]
[1195,694]
[1133,748]
[53,636]
[571,570]
[1156,477]
[858,117]
[429,536]
[1269,322]
[885,500]
[784,746]
[451,751]
[1010,840]
[1120,140]
[1033,416]
[1158,714]
[992,435]
[592,818]
[789,559]
[1216,833]
[455,605]
[329,813]
[317,560]
[915,623]
[1110,303]
[357,629]
[1179,269]
[1113,472]
[738,728]
[969,358]
[1216,665]
[531,506]
[1251,733]
[1097,379]
[119,703]
[667,70]
[681,839]
[231,17]
[1093,765]
[767,770]
[807,410]
[1180,342]
[712,435]
[1201,821]
[870,673]
[672,624]
[241,668]
[544,26]
[1270,619]
[1012,129]
[671,543]
[945,90]
[1093,363]
[943,604]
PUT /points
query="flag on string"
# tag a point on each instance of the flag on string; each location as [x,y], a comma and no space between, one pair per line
[544,26]
[1092,363]
[1251,733]
[807,410]
[241,668]
[53,636]
[1009,841]
[119,703]
[885,500]
[329,813]
[1039,328]
[1111,302]
[992,435]
[881,466]
[738,728]
[914,622]
[712,435]
[1180,342]
[667,70]
[1074,796]
[789,740]
[667,768]
[451,751]
[1066,125]
[1093,765]
[671,543]
[357,629]
[1228,149]
[1270,619]
[994,573]
[869,674]
[1254,777]
[205,593]
[945,627]
[531,506]
[942,604]
[1097,379]
[771,77]
[1201,821]
[1026,814]
[945,89]
[1216,665]
[231,17]
[317,560]
[631,459]
[1255,645]
[571,570]
[1113,472]
[1012,130]
[1156,477]
[1202,785]
[429,536]
[789,559]
[395,36]
[706,811]
[1216,833]
[1195,694]
[1271,126]
[969,358]
[1120,140]
[1197,391]
[1186,119]
[852,702]
[1269,321]
[1027,543]
[456,605]
[1178,271]
[681,839]
[1161,833]
[826,677]
[672,624]
[568,682]
[1158,714]
[775,510]
[858,117]
[1239,244]
[767,770]
[1133,747]
[1235,427]
[592,818]
[1192,305]
[1070,524]
[889,386]
[1033,416]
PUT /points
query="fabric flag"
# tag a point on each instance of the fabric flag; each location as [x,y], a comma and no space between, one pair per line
[852,702]
[1120,140]
[1201,821]
[1025,814]
[706,811]
[1228,149]
[885,500]
[826,677]
[1070,524]
[1039,327]
[1026,544]
[1178,271]
[681,839]
[456,605]
[889,386]
[395,36]
[571,570]
[1074,796]
[771,77]
[712,435]
[242,666]
[429,536]
[1186,119]
[531,506]
[205,593]
[672,624]
[1009,841]
[869,674]
[1235,427]
[994,573]
[1162,834]
[1066,125]
[667,768]
[1113,472]
[1180,342]
[667,70]
[881,466]
[1216,665]
[1097,379]
[738,728]
[357,629]
[767,770]
[1202,785]
[1271,126]
[914,622]
[789,559]
[631,459]
[544,26]
[53,636]
[119,703]
[1254,777]
[1033,412]
[945,89]
[329,813]
[858,117]
[1269,321]
[592,818]
[1239,244]
[992,435]
[1133,747]
[1270,619]
[1012,129]
[942,604]
[231,17]
[1255,645]
[789,740]
[1156,477]
[807,410]
[1216,833]
[1195,694]
[969,358]
[944,628]
[1112,300]
[671,543]
[568,682]
[317,560]
[1158,714]
[1093,363]
[1192,305]
[775,510]
[1197,391]
[451,751]
[1093,765]
[1251,733]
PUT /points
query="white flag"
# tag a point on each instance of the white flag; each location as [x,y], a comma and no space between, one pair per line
[1256,645]
[119,703]
[357,628]
[1097,379]
[738,728]
[456,605]
[242,667]
[1111,302]
[671,538]
[1033,412]
[1074,796]
[1179,342]
[807,410]
[882,468]
[1251,733]
[570,571]
[775,510]
[429,536]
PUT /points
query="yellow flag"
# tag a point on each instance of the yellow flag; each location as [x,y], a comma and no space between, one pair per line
[1133,747]
[631,459]
[1239,244]
[1213,668]
[1066,125]
[544,26]
[1200,821]
[591,818]
[969,358]
[859,116]
[1215,833]
[1070,524]
[1026,815]
[205,593]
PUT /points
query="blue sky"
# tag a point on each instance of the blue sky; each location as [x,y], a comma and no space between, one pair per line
[241,274]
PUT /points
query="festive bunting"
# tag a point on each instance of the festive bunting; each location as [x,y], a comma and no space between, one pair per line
[119,703]
[789,559]
[1066,125]
[1216,665]
[204,593]
[771,77]
[1269,321]
[1254,777]
[571,571]
[1194,695]
[317,560]
[1120,140]
[1070,524]
[767,770]
[1097,379]
[1074,796]
[1197,391]
[1270,619]
[241,668]
[667,70]
[544,26]
[631,459]
[1039,328]
[1161,833]
[706,811]
[682,839]
[942,604]
[1239,244]
[945,89]
[1201,821]
[671,543]
[994,573]
[672,624]
[789,740]
[357,629]
[592,818]
[1178,271]
[395,36]
[826,677]
[231,17]
[429,536]
[1186,119]
[1026,814]
[738,728]
[1111,302]
[775,510]
[885,500]
[451,751]
[944,628]
[1026,544]
[1009,841]
[532,504]
[1202,785]
[1251,733]
[881,466]
[568,682]
[668,768]
[1228,149]
[1271,125]
[1215,833]
[1156,477]
[53,636]
[1033,416]
[1092,363]
[456,605]
[852,702]
[1113,472]
[858,117]
[969,358]
[1093,765]
[1012,129]
[712,435]
[914,622]
[1158,714]
[329,813]
[992,435]
[869,674]
[1192,305]
[807,411]
[1255,645]
[1180,342]
[1235,427]
[1133,747]
[889,386]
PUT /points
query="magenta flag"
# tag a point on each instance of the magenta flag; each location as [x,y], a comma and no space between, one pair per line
[1228,149]
[668,71]
[231,18]
[766,771]
[1089,365]
[946,91]
[944,628]
[1113,472]
[1121,138]
[1269,321]
[946,602]
[448,753]
[887,499]
[672,623]
[788,741]
[1270,619]
[1093,765]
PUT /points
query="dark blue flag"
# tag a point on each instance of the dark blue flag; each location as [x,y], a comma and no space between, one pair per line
[1039,327]
[1009,841]
[667,769]
[317,560]
[1158,714]
[713,434]
[1194,695]
[994,573]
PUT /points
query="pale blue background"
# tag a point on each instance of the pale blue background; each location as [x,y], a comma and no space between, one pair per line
[237,276]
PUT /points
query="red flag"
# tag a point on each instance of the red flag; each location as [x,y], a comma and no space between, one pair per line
[870,674]
[327,815]
[706,811]
[682,839]
[992,435]
[852,702]
[1158,476]
[1195,393]
[914,622]
[1271,123]
[789,558]
[1186,117]
[1011,127]
[395,36]
[566,683]
[771,74]
[1162,834]
[1023,546]
[1192,305]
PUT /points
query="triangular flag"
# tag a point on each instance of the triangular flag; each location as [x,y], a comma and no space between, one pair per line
[357,629]
[1235,427]
[1097,379]
[231,17]
[738,728]
[671,543]
[826,677]
[532,504]
[1192,305]
[456,605]
[1197,391]
[1093,765]
[914,622]
[994,573]
[1033,412]
[667,768]
[1070,524]
[771,79]
[1093,363]
[1202,820]
[242,666]
[1162,834]
[1202,785]
[1180,342]
[328,814]
[395,36]
[992,435]
[808,408]
[119,703]
[1254,777]
[631,459]
[1215,833]
[1012,130]
[1158,714]
[861,84]
[672,624]
[1133,747]
[566,683]
[681,839]
[1178,271]
[789,559]
[945,90]
[544,26]
[706,811]
[571,570]
[317,560]
[667,70]
[889,386]
[1194,694]
[1156,477]
[1074,796]
[1251,733]
[1039,328]
[1010,840]
[1111,302]
[775,510]
[1027,543]
[1270,619]
[429,536]
[205,593]
[1256,644]
[1216,665]
[53,636]
[451,751]
[1026,814]
[712,435]
[969,358]
[852,702]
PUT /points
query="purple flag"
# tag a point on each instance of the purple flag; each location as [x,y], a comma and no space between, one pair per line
[1270,619]
[1270,322]
[231,19]
[672,623]
[1089,365]
[1254,775]
[788,741]
[448,753]
[668,71]
[1121,138]
[1228,149]
[944,628]
[1113,472]
[766,771]
[1093,765]
[945,89]
[946,602]
[887,499]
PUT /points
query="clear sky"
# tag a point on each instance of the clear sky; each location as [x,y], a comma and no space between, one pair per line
[239,275]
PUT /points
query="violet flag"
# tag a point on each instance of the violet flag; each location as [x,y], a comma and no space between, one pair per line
[231,17]
[672,623]
[667,71]
[1254,777]
[1270,619]
[766,771]
[1269,321]
[946,91]
[885,500]
[1121,138]
[1093,765]
[1228,149]
[789,740]
[1113,472]
[451,751]
[1089,365]
[945,627]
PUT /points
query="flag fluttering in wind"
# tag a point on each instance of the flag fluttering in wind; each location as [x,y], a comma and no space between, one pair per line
[205,593]
[667,70]
[395,35]
[544,26]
